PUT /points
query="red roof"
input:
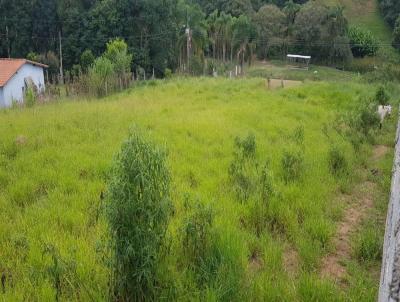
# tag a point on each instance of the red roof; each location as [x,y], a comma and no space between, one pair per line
[8,67]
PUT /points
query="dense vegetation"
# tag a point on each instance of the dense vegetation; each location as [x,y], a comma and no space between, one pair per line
[173,34]
[255,182]
[391,13]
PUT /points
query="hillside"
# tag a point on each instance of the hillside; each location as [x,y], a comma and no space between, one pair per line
[55,161]
[366,13]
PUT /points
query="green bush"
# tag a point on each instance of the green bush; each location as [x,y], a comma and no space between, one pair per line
[362,42]
[87,59]
[368,120]
[258,209]
[202,256]
[30,97]
[62,273]
[292,166]
[243,169]
[363,119]
[267,187]
[337,161]
[138,211]
[100,76]
[246,148]
[167,73]
[197,230]
[381,96]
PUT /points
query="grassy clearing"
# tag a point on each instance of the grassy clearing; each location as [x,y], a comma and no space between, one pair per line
[277,70]
[55,161]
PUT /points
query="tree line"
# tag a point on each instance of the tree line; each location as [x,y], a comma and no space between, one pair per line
[173,34]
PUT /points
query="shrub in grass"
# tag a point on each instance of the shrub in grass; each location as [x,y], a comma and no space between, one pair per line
[100,76]
[197,232]
[267,187]
[292,166]
[62,273]
[258,209]
[363,119]
[30,97]
[381,96]
[198,247]
[243,169]
[281,220]
[245,148]
[167,73]
[298,135]
[227,270]
[137,210]
[368,120]
[257,219]
[356,140]
[337,161]
[368,246]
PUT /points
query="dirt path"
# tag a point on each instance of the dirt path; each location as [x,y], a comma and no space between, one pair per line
[357,206]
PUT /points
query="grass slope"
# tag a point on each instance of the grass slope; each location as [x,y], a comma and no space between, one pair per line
[366,13]
[54,161]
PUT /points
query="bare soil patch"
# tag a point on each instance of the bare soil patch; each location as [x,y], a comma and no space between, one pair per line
[278,83]
[291,261]
[255,263]
[379,152]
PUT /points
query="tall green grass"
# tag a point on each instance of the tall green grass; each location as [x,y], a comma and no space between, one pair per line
[53,231]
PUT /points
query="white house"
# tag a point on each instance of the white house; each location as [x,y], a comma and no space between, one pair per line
[15,76]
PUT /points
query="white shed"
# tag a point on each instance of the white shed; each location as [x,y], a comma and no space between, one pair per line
[298,61]
[15,74]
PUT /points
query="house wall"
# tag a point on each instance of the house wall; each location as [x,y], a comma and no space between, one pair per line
[1,98]
[14,89]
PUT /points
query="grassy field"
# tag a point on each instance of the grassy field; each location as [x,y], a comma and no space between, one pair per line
[276,69]
[54,165]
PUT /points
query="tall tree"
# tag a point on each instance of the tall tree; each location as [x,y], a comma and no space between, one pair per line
[271,26]
[193,38]
[244,37]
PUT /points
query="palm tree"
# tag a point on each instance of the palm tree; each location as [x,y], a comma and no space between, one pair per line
[244,36]
[192,39]
[213,27]
[225,25]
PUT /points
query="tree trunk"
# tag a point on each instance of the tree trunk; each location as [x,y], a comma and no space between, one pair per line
[214,49]
[224,52]
[231,51]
